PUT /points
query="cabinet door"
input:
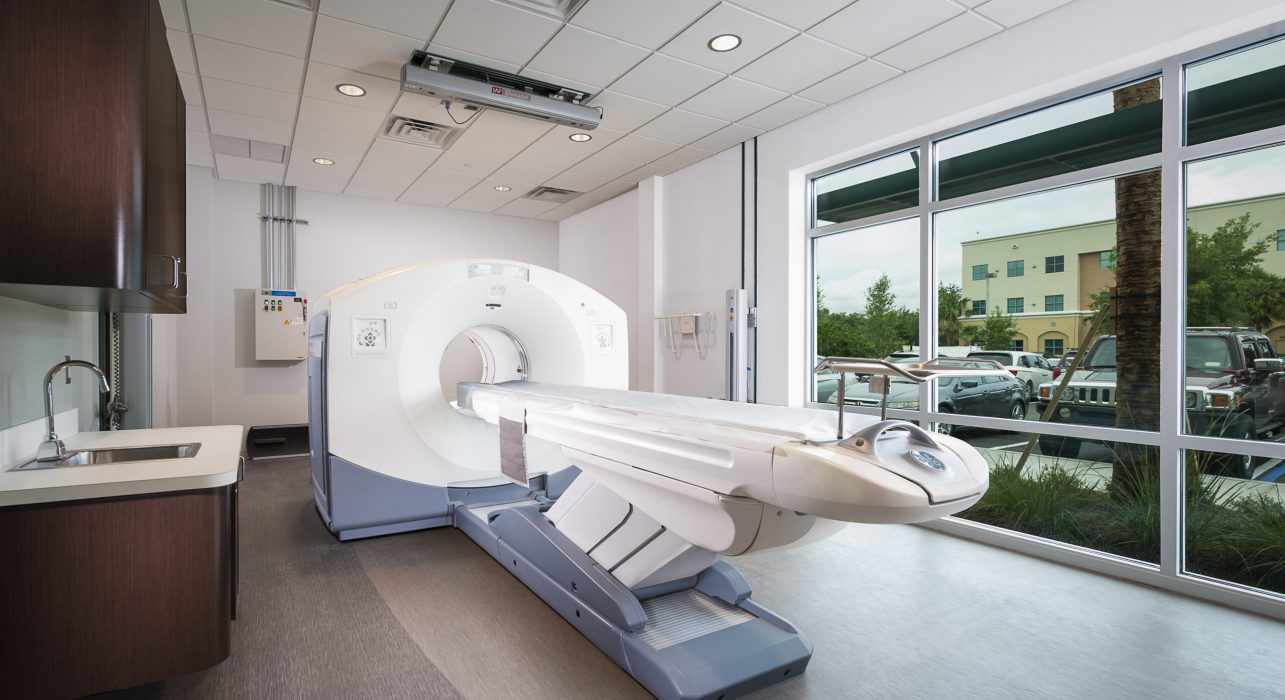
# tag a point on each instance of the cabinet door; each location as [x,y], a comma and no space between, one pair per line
[164,217]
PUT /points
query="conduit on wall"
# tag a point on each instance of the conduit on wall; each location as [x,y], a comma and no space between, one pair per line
[277,223]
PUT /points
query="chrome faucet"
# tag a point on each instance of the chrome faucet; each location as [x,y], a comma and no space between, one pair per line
[52,449]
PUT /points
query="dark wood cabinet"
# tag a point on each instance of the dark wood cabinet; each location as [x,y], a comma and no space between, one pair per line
[92,191]
[112,593]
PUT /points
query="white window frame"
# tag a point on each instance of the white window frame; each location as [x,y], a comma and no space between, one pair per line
[1170,439]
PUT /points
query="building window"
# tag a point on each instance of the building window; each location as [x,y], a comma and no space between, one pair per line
[1106,260]
[1018,345]
[980,272]
[1016,304]
[1054,302]
[1054,347]
[979,308]
[1055,263]
[1280,239]
[1016,268]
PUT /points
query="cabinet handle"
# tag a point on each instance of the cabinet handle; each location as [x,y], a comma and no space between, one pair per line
[177,261]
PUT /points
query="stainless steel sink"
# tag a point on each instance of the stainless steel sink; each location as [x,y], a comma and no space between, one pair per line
[118,455]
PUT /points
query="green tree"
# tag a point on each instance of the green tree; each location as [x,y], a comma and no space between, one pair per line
[952,306]
[882,319]
[997,331]
[1226,283]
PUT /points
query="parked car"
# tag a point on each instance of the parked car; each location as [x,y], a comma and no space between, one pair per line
[1031,369]
[986,395]
[1234,389]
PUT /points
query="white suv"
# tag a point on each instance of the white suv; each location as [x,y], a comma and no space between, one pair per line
[1030,368]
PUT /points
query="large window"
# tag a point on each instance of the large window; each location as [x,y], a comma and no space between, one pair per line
[1175,410]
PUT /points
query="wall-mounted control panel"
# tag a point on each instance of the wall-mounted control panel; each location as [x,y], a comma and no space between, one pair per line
[280,324]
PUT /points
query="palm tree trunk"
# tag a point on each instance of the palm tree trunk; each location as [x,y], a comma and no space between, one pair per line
[1137,306]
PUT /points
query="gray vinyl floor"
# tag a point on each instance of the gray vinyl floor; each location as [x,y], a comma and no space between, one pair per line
[893,611]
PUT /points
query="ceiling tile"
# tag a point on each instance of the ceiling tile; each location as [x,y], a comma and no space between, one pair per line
[525,207]
[440,181]
[198,149]
[191,86]
[331,115]
[602,166]
[302,172]
[727,137]
[248,127]
[732,98]
[559,80]
[339,146]
[525,173]
[679,126]
[758,36]
[625,113]
[781,113]
[196,118]
[494,29]
[970,3]
[322,78]
[577,182]
[248,169]
[430,197]
[480,201]
[648,24]
[492,121]
[181,50]
[247,99]
[799,14]
[242,64]
[544,156]
[475,59]
[639,148]
[402,154]
[415,18]
[870,26]
[682,158]
[800,62]
[374,187]
[586,56]
[272,26]
[361,48]
[175,14]
[858,78]
[466,164]
[490,146]
[1013,12]
[665,80]
[559,136]
[939,41]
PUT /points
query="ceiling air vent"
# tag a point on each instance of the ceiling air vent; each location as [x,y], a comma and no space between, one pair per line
[551,194]
[421,133]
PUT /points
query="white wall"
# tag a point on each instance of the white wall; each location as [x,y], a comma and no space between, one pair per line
[597,248]
[700,261]
[347,238]
[34,338]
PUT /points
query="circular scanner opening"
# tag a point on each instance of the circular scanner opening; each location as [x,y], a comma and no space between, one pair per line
[486,354]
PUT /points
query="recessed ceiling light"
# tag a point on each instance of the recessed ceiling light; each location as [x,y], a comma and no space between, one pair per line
[580,138]
[502,188]
[724,42]
[323,161]
[351,90]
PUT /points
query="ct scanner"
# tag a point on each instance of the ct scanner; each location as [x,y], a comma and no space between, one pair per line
[611,505]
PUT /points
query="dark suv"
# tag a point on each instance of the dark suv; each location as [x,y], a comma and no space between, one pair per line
[1233,390]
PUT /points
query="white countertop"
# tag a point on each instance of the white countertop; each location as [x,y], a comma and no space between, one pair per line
[216,464]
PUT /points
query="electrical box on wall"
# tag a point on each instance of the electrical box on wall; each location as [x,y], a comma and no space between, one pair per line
[280,325]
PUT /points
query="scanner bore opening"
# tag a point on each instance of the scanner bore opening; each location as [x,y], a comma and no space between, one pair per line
[487,354]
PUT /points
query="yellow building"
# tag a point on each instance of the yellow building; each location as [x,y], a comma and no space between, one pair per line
[1046,280]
